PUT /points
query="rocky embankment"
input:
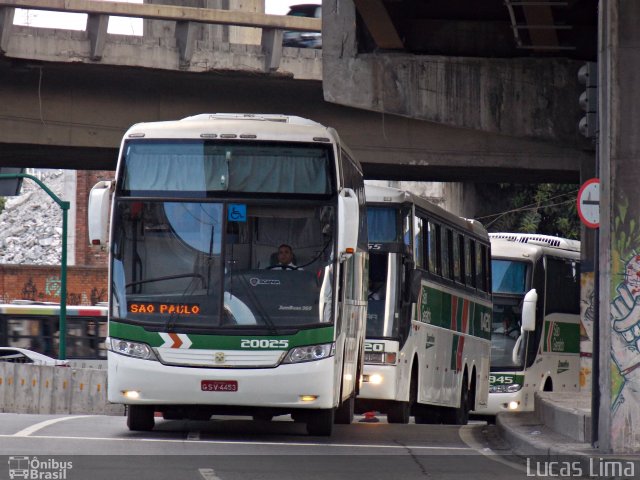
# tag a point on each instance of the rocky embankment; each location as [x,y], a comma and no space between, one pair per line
[31,224]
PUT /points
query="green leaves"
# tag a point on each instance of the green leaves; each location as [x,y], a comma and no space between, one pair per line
[545,208]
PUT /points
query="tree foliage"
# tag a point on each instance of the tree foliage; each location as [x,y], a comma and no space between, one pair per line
[2,200]
[545,208]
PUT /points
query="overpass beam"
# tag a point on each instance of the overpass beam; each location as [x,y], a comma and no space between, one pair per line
[6,25]
[271,48]
[186,40]
[522,97]
[97,32]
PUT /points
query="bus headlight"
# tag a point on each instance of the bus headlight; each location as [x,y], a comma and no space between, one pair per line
[130,349]
[513,388]
[310,353]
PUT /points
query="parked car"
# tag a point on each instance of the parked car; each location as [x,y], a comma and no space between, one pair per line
[22,355]
[303,39]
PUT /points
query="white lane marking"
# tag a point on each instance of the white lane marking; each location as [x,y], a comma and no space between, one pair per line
[39,426]
[223,442]
[467,437]
[208,474]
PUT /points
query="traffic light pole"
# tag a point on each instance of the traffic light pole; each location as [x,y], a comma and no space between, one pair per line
[64,205]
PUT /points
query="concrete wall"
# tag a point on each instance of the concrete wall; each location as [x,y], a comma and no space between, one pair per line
[41,389]
[522,97]
[619,322]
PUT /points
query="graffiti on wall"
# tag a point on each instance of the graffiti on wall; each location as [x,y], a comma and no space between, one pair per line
[51,290]
[587,317]
[625,336]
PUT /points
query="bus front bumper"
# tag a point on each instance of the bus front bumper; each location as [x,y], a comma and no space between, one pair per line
[379,382]
[303,385]
[508,402]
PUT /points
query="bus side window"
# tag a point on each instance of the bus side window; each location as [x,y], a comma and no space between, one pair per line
[458,258]
[469,262]
[481,265]
[447,254]
[418,242]
[437,248]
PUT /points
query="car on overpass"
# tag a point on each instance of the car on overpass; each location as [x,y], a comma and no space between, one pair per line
[303,39]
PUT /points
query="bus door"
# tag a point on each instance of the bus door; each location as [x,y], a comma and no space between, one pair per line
[383,299]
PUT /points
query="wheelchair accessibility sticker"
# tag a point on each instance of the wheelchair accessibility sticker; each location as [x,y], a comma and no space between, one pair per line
[237,212]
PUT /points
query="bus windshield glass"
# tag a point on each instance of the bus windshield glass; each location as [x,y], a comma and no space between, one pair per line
[505,331]
[212,265]
[382,224]
[188,168]
[508,277]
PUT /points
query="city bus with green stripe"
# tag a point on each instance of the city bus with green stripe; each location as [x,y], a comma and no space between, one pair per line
[238,270]
[535,343]
[429,311]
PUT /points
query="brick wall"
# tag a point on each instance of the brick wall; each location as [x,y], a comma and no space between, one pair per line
[85,285]
[88,255]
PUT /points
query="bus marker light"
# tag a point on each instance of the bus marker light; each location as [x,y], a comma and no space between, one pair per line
[308,398]
[131,394]
[513,405]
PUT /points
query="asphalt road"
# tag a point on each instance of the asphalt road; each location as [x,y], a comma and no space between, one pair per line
[101,447]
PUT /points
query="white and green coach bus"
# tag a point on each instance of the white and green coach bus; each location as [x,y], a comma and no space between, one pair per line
[429,315]
[535,342]
[203,319]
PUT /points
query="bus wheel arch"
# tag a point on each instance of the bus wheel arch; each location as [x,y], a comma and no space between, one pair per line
[473,386]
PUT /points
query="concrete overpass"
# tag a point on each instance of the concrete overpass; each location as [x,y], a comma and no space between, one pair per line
[68,96]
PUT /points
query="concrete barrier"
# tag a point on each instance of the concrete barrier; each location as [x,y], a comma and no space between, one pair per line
[26,388]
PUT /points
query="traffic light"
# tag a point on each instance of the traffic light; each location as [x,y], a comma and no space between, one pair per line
[588,76]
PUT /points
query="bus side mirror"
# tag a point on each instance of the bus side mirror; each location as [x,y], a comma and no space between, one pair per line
[98,213]
[348,223]
[413,285]
[529,311]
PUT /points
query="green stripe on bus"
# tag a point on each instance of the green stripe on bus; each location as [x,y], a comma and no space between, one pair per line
[436,308]
[561,337]
[224,342]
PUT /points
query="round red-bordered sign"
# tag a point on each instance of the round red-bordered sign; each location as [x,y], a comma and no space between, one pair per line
[588,203]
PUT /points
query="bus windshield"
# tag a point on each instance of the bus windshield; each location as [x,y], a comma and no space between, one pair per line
[508,276]
[189,168]
[505,332]
[208,265]
[382,224]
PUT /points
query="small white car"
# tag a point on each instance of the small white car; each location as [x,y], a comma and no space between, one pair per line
[22,355]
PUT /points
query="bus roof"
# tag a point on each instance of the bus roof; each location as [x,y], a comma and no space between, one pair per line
[238,126]
[541,240]
[379,194]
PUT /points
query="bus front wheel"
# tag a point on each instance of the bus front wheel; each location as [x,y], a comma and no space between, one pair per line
[140,418]
[344,413]
[320,422]
[399,412]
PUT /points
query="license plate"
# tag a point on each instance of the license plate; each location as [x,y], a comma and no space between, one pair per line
[219,385]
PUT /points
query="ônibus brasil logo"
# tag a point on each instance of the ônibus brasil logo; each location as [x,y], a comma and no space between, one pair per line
[38,469]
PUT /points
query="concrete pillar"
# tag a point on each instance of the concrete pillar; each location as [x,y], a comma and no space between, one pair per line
[211,34]
[619,101]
